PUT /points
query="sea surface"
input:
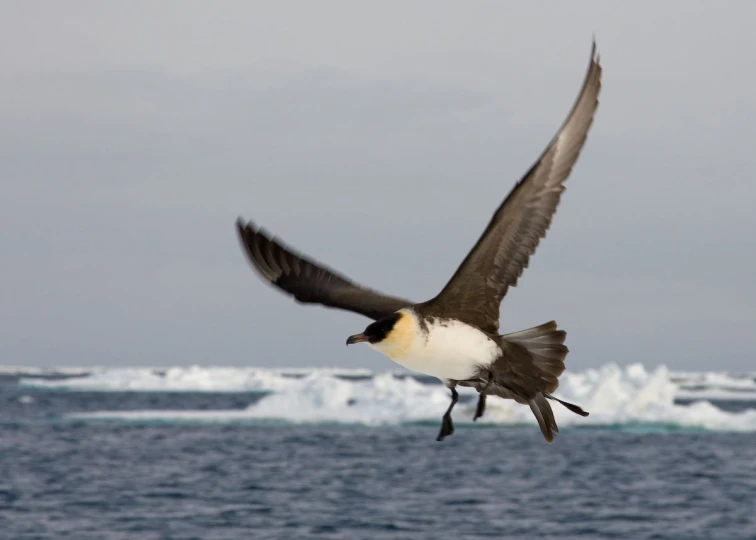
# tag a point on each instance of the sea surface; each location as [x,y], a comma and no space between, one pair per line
[227,453]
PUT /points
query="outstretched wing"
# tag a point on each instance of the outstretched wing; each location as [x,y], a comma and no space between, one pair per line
[307,281]
[475,291]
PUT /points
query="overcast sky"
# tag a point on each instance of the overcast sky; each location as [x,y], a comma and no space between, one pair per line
[377,138]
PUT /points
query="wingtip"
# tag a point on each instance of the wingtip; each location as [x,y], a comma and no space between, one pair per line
[245,223]
[595,56]
[247,226]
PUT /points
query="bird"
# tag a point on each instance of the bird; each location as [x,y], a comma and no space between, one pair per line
[455,335]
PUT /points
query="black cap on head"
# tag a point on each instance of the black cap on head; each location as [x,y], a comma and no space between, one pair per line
[377,331]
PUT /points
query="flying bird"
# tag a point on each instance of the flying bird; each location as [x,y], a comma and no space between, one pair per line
[455,335]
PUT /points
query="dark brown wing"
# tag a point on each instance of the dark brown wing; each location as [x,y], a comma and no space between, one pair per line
[475,291]
[307,281]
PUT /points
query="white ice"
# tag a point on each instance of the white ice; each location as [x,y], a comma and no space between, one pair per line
[613,395]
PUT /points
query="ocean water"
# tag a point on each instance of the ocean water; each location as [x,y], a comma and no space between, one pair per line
[212,453]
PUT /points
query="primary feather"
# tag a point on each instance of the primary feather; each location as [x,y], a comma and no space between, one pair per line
[502,253]
[310,282]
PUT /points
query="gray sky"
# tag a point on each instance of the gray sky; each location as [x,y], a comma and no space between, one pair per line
[378,138]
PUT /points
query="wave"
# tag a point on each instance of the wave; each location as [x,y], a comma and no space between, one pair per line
[615,396]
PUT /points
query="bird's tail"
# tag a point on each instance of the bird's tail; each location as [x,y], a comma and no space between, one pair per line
[545,416]
[540,369]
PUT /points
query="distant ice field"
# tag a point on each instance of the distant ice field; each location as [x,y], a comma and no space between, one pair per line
[627,398]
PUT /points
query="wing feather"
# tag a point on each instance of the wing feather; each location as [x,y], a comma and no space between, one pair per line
[503,251]
[307,281]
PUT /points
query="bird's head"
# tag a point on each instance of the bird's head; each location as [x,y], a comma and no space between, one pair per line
[393,335]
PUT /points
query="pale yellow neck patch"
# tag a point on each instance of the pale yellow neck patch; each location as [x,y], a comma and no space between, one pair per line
[403,336]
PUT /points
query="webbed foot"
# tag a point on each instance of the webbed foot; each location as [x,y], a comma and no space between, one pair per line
[447,428]
[481,408]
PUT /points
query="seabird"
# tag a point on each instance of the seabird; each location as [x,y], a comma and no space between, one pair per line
[455,336]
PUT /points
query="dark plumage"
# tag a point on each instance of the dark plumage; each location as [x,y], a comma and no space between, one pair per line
[309,282]
[498,259]
[464,317]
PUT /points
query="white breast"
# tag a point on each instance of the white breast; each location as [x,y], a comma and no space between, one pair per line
[449,349]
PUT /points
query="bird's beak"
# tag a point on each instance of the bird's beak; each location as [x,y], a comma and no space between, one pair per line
[357,338]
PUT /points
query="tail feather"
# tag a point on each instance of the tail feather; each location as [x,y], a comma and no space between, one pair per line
[545,416]
[571,406]
[529,372]
[546,350]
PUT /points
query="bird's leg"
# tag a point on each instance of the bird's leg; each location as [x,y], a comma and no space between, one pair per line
[446,423]
[480,409]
